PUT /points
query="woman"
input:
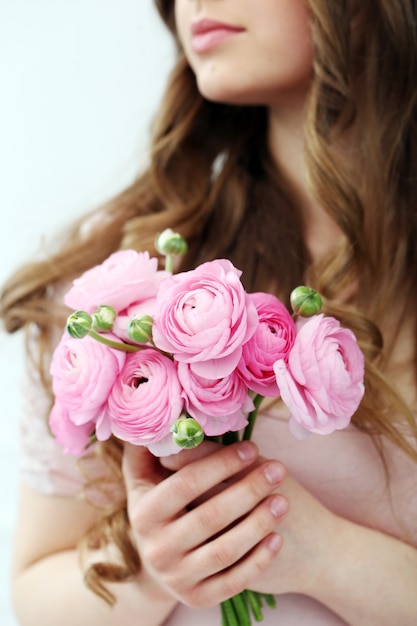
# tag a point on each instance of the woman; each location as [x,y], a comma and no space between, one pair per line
[286,141]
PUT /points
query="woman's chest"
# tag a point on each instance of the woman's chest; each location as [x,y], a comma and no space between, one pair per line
[347,474]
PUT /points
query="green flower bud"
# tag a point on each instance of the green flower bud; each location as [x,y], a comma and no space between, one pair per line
[139,329]
[79,324]
[305,301]
[187,433]
[103,318]
[169,242]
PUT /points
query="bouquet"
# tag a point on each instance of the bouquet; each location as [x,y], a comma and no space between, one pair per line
[168,359]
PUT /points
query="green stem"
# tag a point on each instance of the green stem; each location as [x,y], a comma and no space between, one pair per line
[169,263]
[270,600]
[224,614]
[241,609]
[252,417]
[229,614]
[125,347]
[230,437]
[255,604]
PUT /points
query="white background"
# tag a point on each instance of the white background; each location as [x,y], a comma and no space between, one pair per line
[79,82]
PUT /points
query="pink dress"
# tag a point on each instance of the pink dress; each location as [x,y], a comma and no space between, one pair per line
[343,470]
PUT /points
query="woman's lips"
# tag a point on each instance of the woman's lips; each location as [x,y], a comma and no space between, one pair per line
[207,34]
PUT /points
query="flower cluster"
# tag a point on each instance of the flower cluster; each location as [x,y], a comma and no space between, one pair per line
[167,359]
[161,348]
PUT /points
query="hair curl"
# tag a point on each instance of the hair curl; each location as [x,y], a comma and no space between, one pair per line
[361,155]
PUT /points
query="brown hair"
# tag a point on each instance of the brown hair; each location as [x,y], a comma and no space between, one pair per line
[228,201]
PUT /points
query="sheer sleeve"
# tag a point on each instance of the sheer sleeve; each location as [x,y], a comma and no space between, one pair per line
[43,464]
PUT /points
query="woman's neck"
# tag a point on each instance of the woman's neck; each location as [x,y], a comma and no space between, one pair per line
[286,143]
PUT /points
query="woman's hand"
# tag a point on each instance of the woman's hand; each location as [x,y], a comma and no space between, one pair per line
[307,533]
[207,531]
[311,537]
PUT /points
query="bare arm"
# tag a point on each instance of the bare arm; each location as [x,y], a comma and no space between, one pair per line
[374,578]
[48,585]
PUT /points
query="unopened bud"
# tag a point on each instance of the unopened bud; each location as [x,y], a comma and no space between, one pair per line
[139,329]
[305,301]
[79,324]
[103,318]
[187,433]
[169,242]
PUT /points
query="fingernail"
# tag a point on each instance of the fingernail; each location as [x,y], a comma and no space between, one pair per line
[246,451]
[273,473]
[274,543]
[278,506]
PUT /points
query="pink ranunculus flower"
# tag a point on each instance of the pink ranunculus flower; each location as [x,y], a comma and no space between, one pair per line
[83,373]
[219,405]
[73,438]
[145,400]
[322,384]
[124,277]
[203,317]
[272,341]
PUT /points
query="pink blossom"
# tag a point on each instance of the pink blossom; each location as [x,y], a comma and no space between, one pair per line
[73,438]
[83,373]
[165,446]
[145,400]
[322,384]
[124,277]
[203,317]
[219,405]
[271,342]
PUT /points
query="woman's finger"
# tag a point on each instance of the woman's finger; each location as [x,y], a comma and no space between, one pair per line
[175,462]
[230,547]
[171,496]
[224,509]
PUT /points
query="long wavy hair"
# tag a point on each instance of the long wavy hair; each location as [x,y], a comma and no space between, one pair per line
[228,200]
